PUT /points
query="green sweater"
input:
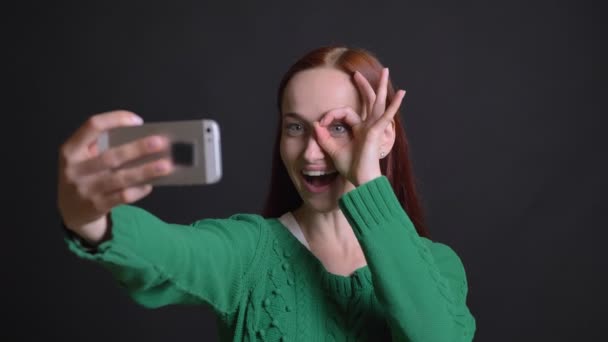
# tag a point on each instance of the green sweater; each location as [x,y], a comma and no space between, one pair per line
[263,284]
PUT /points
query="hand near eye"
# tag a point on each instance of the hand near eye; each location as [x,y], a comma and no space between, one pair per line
[358,158]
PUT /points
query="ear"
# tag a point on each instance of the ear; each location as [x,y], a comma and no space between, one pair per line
[387,139]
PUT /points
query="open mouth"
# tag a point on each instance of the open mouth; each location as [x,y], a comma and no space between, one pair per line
[317,181]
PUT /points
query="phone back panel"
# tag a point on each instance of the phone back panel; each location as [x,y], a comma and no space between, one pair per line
[195,151]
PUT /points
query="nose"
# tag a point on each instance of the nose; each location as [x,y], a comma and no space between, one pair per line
[313,151]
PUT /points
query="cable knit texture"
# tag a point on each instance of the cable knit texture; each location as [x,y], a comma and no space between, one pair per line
[264,285]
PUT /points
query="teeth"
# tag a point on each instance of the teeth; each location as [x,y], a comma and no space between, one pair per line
[316,173]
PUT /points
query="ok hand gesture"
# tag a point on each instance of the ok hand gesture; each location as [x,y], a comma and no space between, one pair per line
[372,131]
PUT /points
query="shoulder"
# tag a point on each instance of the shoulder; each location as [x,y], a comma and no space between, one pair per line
[441,251]
[252,227]
[239,226]
[450,265]
[238,221]
[444,256]
[241,220]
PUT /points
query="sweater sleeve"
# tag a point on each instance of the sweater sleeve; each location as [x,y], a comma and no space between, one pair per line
[421,285]
[160,263]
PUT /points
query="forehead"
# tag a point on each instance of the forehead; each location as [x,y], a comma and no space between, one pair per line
[313,92]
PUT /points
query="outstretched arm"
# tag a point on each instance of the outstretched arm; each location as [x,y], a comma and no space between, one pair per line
[160,263]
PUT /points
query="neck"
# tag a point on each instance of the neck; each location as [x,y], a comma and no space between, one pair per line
[327,230]
[331,239]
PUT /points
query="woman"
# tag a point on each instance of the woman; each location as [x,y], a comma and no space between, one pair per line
[342,252]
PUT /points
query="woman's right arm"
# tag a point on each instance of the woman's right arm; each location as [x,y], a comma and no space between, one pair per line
[208,262]
[157,262]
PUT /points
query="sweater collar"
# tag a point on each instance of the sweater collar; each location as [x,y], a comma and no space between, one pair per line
[334,284]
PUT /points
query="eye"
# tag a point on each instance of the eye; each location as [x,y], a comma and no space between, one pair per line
[338,128]
[294,129]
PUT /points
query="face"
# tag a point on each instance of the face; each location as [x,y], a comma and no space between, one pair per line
[307,97]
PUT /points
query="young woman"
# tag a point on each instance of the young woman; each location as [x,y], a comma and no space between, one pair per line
[342,251]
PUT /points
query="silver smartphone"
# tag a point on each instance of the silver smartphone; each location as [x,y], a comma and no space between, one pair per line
[195,149]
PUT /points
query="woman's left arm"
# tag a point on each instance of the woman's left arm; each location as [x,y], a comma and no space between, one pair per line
[422,285]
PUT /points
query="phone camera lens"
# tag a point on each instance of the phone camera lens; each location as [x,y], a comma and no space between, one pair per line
[208,130]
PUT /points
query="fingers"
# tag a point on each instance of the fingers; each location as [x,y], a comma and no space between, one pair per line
[92,129]
[392,109]
[374,102]
[123,179]
[367,93]
[124,196]
[379,106]
[325,138]
[117,156]
[346,114]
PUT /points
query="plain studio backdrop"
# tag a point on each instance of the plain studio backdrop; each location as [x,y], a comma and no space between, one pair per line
[501,112]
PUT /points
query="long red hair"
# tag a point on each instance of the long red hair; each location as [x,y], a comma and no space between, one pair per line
[396,166]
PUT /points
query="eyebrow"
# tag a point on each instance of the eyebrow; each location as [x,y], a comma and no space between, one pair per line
[293,115]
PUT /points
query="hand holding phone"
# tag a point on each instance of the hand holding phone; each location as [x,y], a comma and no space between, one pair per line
[111,160]
[194,149]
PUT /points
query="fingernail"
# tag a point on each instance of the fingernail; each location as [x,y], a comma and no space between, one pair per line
[162,167]
[154,142]
[137,120]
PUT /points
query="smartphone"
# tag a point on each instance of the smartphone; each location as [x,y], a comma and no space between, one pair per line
[195,149]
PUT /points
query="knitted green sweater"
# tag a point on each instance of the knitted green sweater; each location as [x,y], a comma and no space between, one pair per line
[263,284]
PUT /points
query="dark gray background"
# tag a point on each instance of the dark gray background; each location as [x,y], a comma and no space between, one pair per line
[502,112]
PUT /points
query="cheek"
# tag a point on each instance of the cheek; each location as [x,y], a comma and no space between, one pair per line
[290,149]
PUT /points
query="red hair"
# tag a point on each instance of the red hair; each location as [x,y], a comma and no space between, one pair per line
[396,166]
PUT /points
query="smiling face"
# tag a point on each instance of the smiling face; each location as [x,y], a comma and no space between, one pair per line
[308,96]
